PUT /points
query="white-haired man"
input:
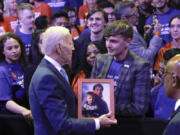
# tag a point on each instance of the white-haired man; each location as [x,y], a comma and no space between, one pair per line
[52,100]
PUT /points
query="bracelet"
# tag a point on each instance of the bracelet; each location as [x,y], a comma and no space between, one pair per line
[157,33]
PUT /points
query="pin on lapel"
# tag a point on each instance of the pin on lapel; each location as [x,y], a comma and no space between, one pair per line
[125,65]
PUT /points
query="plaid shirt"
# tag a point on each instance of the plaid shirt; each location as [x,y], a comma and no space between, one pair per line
[133,90]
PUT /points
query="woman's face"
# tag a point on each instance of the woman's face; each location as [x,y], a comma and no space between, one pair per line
[12,50]
[92,52]
[175,29]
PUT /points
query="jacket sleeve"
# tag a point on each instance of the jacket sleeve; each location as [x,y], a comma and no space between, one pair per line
[51,97]
[134,100]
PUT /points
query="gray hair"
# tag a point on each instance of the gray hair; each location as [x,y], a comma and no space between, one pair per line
[52,36]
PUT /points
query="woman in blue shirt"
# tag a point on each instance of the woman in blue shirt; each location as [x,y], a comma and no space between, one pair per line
[12,64]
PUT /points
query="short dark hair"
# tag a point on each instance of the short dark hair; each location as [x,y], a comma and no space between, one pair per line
[171,53]
[119,27]
[98,10]
[98,85]
[106,4]
[67,9]
[121,7]
[57,15]
[90,93]
[10,35]
[41,22]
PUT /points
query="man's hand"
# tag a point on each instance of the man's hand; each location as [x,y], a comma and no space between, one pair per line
[106,120]
[28,116]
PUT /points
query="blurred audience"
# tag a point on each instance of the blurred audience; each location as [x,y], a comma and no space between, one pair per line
[74,28]
[84,10]
[4,25]
[162,15]
[10,13]
[175,43]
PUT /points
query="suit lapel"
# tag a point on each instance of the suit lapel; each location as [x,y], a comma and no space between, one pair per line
[56,72]
[123,74]
[174,113]
[106,66]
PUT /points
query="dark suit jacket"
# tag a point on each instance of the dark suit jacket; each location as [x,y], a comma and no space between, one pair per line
[53,104]
[173,127]
[133,90]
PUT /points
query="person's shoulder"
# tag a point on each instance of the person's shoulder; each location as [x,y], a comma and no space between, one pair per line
[174,10]
[149,20]
[82,39]
[173,128]
[137,59]
[165,48]
[103,57]
[3,69]
[83,7]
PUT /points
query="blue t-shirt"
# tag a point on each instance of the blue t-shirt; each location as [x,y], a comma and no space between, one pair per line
[58,5]
[114,71]
[164,105]
[164,20]
[26,38]
[11,82]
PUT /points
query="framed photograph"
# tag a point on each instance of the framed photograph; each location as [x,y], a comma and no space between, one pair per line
[95,97]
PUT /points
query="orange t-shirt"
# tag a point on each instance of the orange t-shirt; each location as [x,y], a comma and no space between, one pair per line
[160,55]
[44,9]
[4,27]
[13,22]
[75,33]
[83,12]
[80,75]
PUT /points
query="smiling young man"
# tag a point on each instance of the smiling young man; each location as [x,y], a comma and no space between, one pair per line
[129,71]
[97,20]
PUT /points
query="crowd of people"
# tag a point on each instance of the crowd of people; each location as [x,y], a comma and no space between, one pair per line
[46,46]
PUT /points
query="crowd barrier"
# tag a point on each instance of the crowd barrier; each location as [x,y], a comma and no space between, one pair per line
[16,125]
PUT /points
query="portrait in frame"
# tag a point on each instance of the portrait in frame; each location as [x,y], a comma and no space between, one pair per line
[95,97]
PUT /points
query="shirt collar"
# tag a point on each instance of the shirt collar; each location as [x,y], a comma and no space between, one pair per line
[53,62]
[135,28]
[177,104]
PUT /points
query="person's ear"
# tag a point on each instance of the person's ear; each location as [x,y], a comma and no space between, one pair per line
[128,41]
[175,81]
[58,48]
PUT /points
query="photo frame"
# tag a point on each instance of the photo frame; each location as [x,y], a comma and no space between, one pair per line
[95,97]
